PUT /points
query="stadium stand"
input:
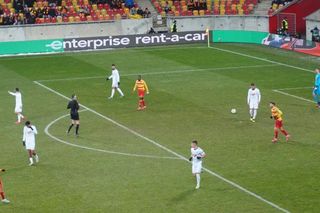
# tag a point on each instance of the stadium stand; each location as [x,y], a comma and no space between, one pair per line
[204,7]
[18,12]
[278,4]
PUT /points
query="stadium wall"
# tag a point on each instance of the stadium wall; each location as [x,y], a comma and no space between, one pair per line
[246,23]
[75,30]
[312,21]
[267,39]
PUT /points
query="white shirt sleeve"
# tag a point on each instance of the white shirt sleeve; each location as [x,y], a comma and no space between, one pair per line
[34,130]
[117,76]
[12,93]
[259,96]
[248,97]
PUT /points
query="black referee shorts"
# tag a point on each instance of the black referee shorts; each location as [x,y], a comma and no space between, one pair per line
[74,116]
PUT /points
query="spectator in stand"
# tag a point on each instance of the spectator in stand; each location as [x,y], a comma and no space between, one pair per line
[1,11]
[129,3]
[19,21]
[18,6]
[146,13]
[167,7]
[52,12]
[133,11]
[203,5]
[190,5]
[315,34]
[196,5]
[140,12]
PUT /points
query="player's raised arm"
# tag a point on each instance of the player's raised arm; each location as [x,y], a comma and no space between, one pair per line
[12,93]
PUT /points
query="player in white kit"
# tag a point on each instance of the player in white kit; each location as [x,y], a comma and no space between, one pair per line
[29,141]
[18,106]
[115,81]
[197,154]
[253,101]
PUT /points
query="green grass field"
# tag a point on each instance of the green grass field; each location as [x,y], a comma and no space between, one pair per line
[114,168]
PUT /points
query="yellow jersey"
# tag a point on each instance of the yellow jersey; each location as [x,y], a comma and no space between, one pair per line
[276,113]
[141,86]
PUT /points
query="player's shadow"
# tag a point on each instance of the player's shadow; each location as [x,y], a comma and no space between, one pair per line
[182,196]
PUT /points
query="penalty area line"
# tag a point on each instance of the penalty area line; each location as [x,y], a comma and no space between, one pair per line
[46,130]
[293,96]
[235,185]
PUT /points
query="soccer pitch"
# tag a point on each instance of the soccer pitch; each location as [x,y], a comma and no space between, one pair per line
[136,161]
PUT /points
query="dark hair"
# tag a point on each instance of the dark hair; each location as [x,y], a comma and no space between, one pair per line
[252,84]
[72,96]
[27,123]
[273,103]
[195,142]
[17,89]
[113,65]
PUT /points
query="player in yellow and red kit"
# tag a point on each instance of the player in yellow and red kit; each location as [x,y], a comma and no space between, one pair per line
[142,88]
[276,114]
[2,195]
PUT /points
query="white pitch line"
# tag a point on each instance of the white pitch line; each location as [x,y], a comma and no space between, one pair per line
[163,72]
[261,59]
[294,88]
[293,96]
[172,152]
[46,130]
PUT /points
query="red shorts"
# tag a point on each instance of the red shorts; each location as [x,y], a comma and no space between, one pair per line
[141,93]
[278,124]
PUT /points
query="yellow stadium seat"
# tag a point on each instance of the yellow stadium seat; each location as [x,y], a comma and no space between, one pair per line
[118,16]
[59,19]
[94,7]
[195,13]
[201,12]
[184,8]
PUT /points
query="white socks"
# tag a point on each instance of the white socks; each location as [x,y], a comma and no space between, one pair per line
[198,179]
[254,113]
[31,160]
[113,91]
[20,116]
[119,90]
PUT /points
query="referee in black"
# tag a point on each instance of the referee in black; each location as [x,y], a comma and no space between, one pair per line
[73,105]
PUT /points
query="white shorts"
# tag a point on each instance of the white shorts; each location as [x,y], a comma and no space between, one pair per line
[254,105]
[30,145]
[115,84]
[196,167]
[18,109]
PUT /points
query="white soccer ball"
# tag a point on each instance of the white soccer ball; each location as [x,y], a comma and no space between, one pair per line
[233,111]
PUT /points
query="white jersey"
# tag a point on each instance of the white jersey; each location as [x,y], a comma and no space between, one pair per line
[197,163]
[18,98]
[115,78]
[29,137]
[254,98]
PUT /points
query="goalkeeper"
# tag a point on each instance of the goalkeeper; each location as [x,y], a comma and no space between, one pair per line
[316,88]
